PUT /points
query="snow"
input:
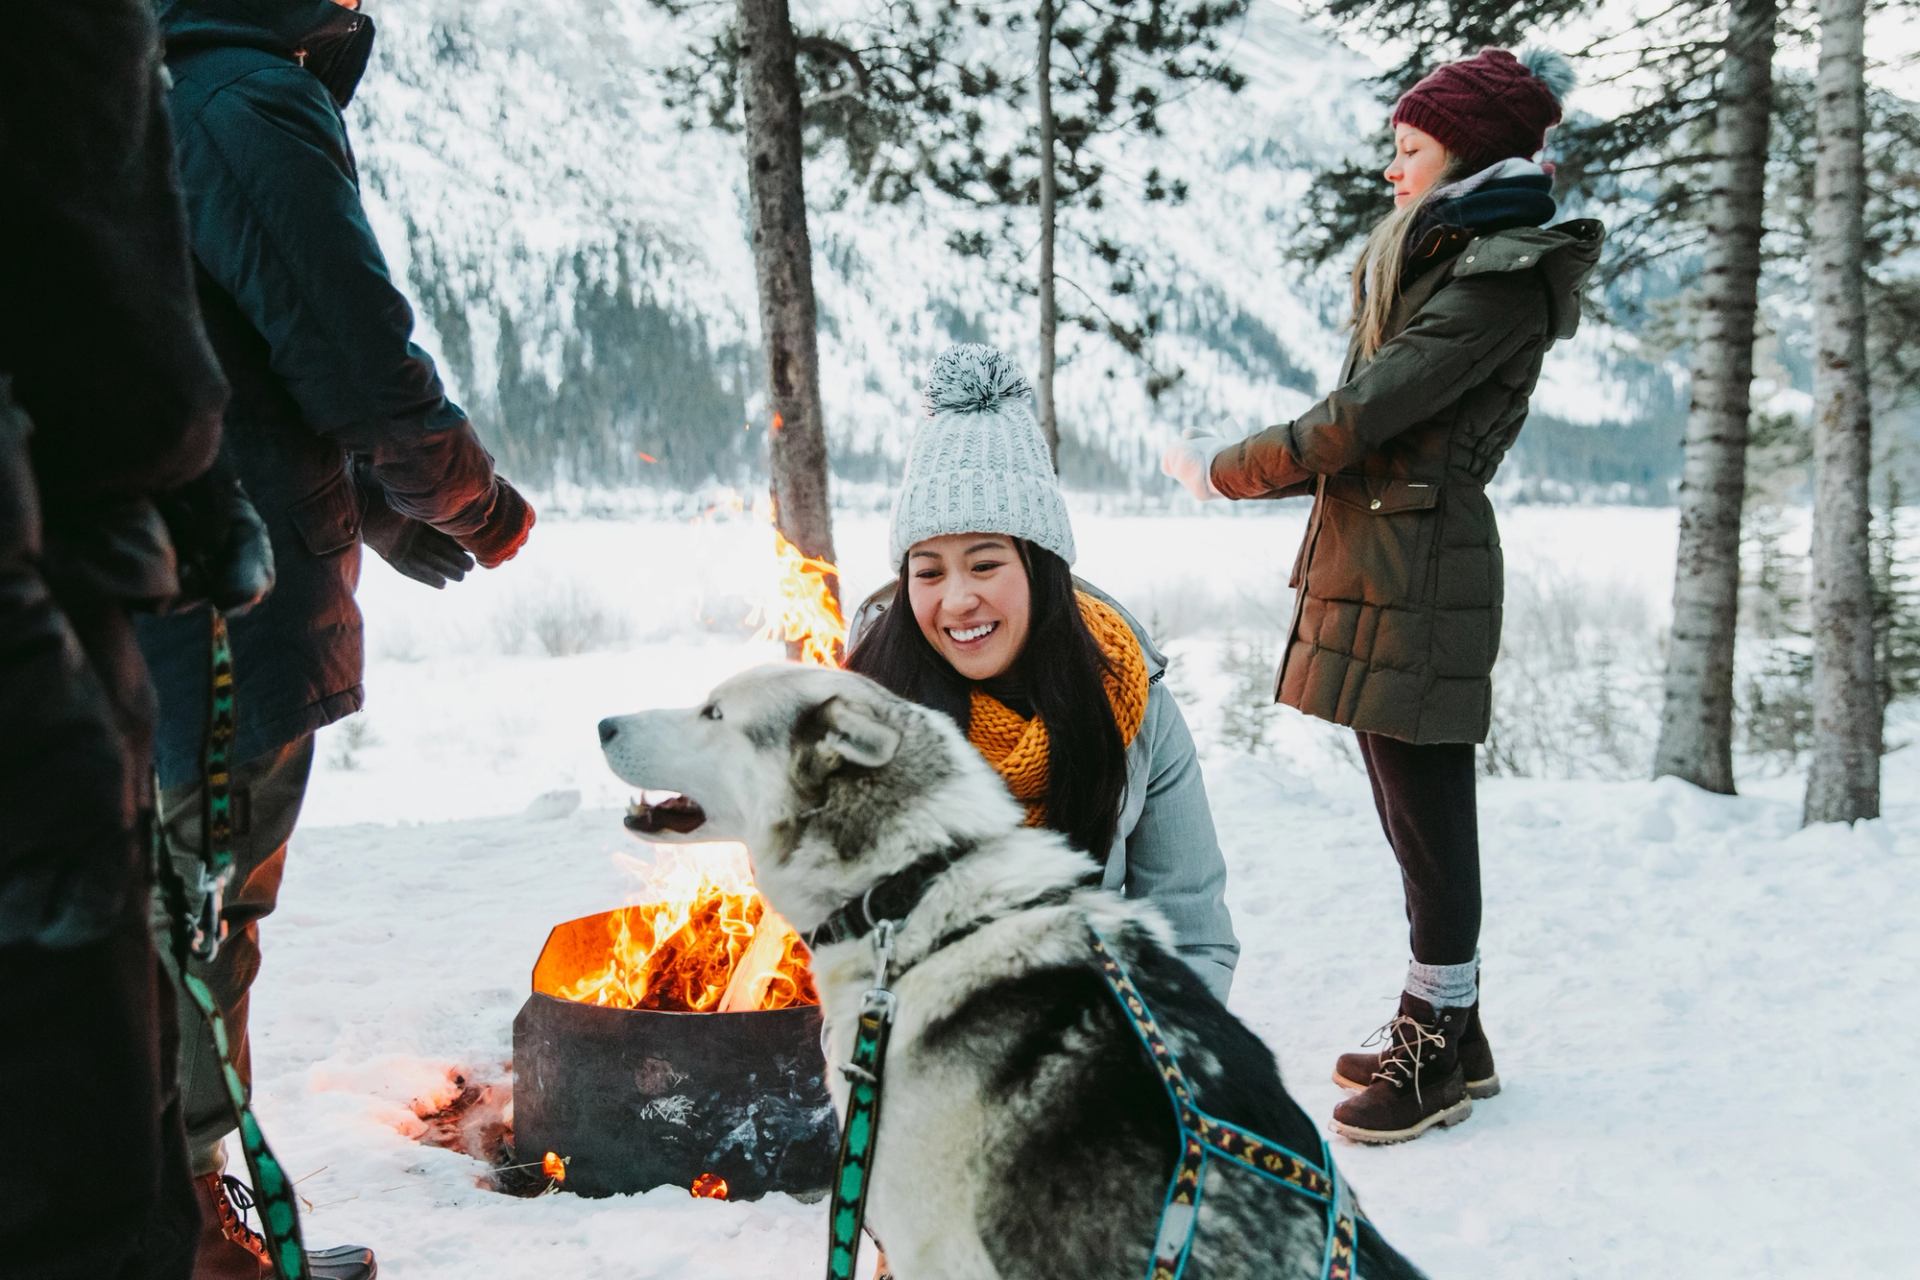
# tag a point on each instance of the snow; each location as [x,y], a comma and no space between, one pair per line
[1703,1014]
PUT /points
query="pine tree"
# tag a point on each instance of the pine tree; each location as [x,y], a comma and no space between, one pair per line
[946,101]
[1646,165]
[1843,784]
[1896,603]
[1696,722]
[1032,142]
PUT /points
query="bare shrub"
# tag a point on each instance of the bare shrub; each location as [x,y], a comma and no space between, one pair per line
[1773,708]
[351,737]
[1248,712]
[1187,604]
[559,619]
[398,641]
[1576,686]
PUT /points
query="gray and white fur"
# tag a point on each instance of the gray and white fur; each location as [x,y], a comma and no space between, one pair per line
[1024,1131]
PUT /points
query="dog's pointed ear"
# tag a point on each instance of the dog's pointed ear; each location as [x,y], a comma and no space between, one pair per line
[849,735]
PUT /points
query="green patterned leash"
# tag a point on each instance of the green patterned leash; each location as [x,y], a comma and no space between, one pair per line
[197,936]
[853,1173]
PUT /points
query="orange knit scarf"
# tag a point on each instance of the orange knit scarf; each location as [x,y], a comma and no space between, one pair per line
[1016,745]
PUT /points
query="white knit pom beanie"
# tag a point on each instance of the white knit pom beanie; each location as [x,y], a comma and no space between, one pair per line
[979,464]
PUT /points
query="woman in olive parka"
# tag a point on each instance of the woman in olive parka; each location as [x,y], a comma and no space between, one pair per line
[1457,296]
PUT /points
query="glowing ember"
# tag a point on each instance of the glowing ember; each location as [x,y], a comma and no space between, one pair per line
[703,942]
[554,1167]
[709,1187]
[805,608]
[731,503]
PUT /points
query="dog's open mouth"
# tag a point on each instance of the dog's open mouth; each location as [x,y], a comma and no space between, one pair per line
[657,811]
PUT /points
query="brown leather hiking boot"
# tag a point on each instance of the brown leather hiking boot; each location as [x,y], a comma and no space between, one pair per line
[1354,1071]
[1418,1084]
[229,1249]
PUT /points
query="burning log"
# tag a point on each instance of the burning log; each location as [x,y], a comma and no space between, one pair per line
[676,1043]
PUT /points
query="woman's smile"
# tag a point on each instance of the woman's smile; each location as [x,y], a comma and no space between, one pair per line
[975,647]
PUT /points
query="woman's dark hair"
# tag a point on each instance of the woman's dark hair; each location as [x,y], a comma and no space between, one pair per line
[1060,672]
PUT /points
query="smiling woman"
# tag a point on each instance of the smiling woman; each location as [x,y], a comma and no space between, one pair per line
[1054,684]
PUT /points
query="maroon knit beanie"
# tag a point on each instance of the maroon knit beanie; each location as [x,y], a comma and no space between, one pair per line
[1490,106]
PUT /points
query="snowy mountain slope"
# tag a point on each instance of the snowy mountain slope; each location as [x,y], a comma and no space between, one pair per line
[583,266]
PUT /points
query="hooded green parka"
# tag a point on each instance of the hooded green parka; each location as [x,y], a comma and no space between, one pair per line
[1399,579]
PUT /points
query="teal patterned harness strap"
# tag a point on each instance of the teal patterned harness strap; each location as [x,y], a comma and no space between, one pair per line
[852,1175]
[860,1131]
[197,935]
[1205,1138]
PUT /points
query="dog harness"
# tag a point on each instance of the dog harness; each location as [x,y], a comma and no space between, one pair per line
[1204,1138]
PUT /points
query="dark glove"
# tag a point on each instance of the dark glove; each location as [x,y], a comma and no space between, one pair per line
[419,551]
[508,522]
[220,541]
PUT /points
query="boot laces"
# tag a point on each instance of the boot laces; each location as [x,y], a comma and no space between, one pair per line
[236,1202]
[1407,1039]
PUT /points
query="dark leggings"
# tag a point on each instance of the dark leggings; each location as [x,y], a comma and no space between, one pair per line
[1426,803]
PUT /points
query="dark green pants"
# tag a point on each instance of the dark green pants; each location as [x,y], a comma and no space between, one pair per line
[267,794]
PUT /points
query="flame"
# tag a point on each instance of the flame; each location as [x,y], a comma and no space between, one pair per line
[554,1167]
[703,942]
[701,938]
[804,609]
[709,1186]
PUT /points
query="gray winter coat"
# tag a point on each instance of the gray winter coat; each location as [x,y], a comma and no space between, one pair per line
[1164,848]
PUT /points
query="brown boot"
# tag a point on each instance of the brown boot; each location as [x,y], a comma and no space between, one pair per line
[1354,1071]
[231,1250]
[1418,1084]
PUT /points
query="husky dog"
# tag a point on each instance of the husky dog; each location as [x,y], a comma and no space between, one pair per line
[1024,1131]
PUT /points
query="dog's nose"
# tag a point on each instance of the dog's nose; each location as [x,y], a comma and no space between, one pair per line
[609,730]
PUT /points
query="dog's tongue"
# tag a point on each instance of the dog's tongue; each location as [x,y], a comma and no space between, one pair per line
[675,813]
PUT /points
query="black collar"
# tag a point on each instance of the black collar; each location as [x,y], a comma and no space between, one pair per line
[889,899]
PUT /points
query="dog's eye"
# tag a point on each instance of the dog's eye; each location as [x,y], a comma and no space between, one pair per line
[710,712]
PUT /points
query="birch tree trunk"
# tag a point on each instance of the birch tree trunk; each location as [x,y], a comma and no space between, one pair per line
[1696,720]
[1844,783]
[1049,310]
[783,271]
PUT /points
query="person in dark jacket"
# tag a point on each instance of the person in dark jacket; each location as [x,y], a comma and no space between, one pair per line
[1458,294]
[109,407]
[341,430]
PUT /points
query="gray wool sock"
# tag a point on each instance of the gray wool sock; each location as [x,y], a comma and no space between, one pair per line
[1444,986]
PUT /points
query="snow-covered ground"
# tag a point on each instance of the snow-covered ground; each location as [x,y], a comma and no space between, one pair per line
[1704,1015]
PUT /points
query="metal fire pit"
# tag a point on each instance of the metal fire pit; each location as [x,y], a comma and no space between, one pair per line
[637,1098]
